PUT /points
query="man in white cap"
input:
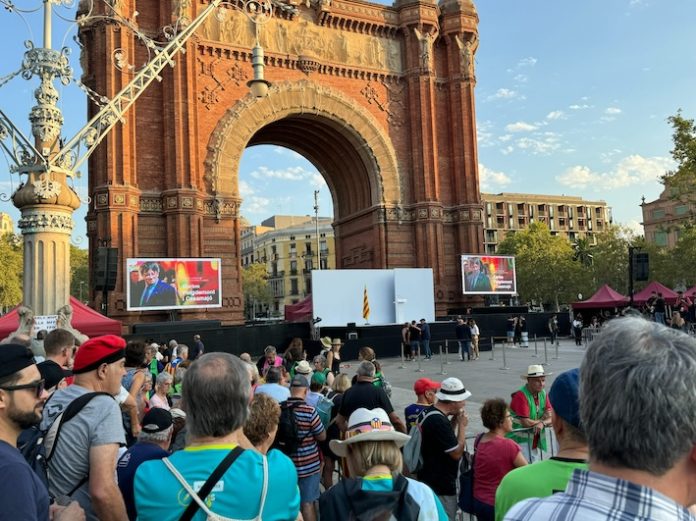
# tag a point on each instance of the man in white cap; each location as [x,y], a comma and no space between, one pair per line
[531,409]
[443,428]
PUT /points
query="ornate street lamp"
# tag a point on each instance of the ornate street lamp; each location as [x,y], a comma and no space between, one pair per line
[44,197]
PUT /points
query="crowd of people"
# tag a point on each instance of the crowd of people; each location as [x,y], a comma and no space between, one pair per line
[110,430]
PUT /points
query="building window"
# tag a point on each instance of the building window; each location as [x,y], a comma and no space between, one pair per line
[661,238]
[293,267]
[489,208]
[551,211]
[323,247]
[658,213]
[308,248]
[324,264]
[682,209]
[293,287]
[308,265]
[308,286]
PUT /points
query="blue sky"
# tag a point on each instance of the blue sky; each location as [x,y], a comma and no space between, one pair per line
[572,98]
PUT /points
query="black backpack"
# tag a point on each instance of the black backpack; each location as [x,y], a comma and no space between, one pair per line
[32,442]
[288,439]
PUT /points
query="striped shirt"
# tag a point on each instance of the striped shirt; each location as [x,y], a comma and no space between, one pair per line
[590,496]
[306,459]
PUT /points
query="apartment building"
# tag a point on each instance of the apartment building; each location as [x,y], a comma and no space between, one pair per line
[290,249]
[569,216]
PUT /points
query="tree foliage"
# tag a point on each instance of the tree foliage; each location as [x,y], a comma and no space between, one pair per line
[682,180]
[546,269]
[79,273]
[11,260]
[610,259]
[257,292]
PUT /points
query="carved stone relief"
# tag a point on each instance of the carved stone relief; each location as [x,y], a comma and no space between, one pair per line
[303,37]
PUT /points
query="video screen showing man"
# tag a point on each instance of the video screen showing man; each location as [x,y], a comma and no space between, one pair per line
[476,277]
[150,291]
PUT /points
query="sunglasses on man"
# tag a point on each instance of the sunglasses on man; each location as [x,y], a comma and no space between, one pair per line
[38,387]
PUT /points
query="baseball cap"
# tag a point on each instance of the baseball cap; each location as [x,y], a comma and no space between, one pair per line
[564,396]
[14,358]
[156,420]
[424,384]
[52,373]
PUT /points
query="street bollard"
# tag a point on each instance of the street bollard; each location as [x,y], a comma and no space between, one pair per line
[442,362]
[505,367]
[403,364]
[492,349]
[546,354]
[556,357]
[447,362]
[418,359]
[536,348]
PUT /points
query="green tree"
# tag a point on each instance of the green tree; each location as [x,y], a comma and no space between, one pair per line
[11,260]
[610,258]
[79,273]
[546,270]
[682,180]
[257,292]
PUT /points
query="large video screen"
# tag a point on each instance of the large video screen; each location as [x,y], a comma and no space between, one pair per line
[157,284]
[488,275]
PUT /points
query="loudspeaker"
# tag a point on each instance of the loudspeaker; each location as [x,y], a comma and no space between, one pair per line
[106,269]
[641,266]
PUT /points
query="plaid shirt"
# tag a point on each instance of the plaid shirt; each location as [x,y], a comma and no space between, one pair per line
[591,497]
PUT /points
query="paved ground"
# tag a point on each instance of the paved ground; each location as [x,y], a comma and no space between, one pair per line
[485,378]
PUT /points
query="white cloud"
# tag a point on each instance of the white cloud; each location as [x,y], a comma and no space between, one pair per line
[530,61]
[505,138]
[256,205]
[633,227]
[631,170]
[539,147]
[490,179]
[521,78]
[576,106]
[317,180]
[520,126]
[484,134]
[291,173]
[555,114]
[612,111]
[245,189]
[507,94]
[507,150]
[282,151]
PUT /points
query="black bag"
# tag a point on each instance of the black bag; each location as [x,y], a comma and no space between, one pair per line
[466,479]
[287,439]
[32,442]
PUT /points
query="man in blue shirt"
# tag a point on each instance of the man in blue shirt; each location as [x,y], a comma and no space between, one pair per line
[637,388]
[425,338]
[153,444]
[216,392]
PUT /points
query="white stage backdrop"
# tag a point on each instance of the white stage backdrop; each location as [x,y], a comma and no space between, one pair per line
[394,296]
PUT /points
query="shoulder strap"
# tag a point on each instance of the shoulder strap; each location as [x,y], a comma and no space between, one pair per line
[65,416]
[477,440]
[199,498]
[422,420]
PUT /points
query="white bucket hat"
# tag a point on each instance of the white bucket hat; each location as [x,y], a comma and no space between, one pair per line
[452,390]
[368,425]
[535,371]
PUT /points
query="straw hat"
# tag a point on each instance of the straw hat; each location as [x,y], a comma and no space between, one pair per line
[368,425]
[326,342]
[535,371]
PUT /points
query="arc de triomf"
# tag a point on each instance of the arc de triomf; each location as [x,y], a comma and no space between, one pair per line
[379,98]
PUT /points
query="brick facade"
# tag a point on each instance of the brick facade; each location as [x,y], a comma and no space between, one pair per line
[379,98]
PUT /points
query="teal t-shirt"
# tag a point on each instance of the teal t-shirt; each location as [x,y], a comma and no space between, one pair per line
[385,483]
[541,479]
[160,497]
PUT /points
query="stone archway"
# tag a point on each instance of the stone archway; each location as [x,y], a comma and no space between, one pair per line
[291,113]
[379,98]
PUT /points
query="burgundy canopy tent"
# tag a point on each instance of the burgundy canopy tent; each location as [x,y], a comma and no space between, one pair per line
[605,297]
[300,312]
[643,295]
[691,292]
[84,319]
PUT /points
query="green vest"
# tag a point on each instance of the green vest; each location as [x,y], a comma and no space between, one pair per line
[535,413]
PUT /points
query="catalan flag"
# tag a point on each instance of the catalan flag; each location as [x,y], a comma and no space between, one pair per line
[366,305]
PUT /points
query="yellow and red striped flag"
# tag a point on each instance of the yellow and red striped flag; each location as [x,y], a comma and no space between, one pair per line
[366,305]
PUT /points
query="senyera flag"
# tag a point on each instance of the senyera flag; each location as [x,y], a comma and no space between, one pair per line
[366,305]
[163,284]
[488,274]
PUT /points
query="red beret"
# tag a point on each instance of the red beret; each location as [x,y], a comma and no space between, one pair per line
[99,350]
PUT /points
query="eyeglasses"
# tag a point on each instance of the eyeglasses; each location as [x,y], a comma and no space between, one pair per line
[38,387]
